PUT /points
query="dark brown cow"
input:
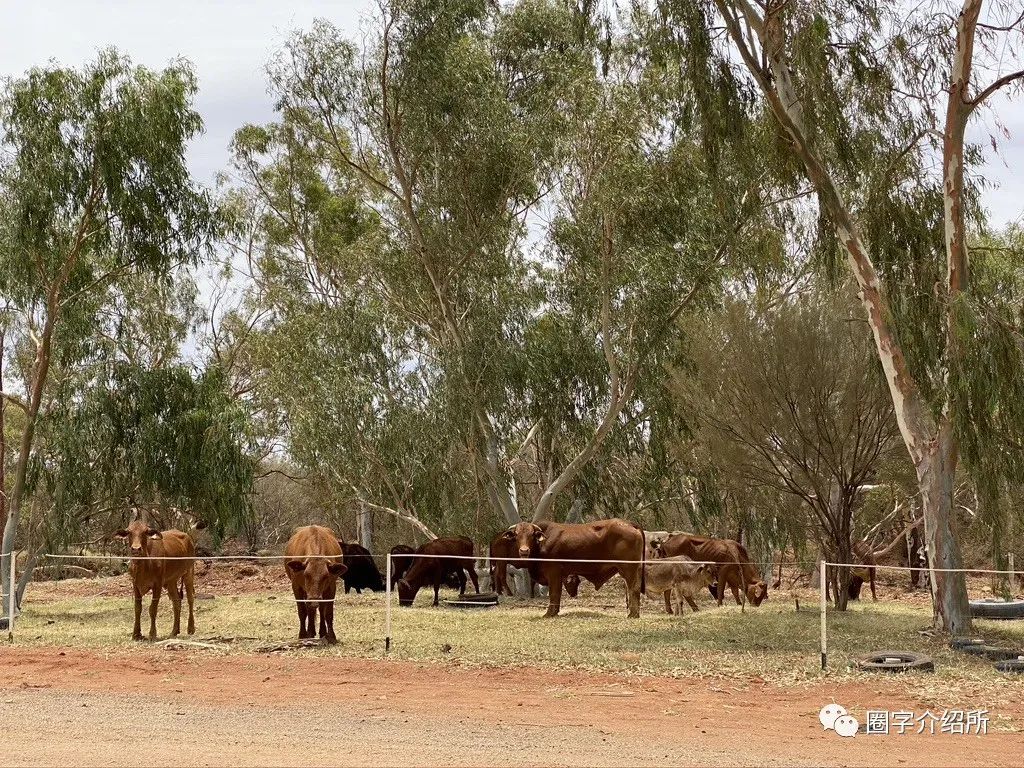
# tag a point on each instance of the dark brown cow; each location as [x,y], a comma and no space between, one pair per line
[314,563]
[602,540]
[434,570]
[158,575]
[400,564]
[734,567]
[501,546]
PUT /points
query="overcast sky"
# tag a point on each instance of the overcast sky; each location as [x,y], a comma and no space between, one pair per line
[230,41]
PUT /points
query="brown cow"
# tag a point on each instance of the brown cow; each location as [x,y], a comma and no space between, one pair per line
[602,540]
[501,546]
[314,563]
[434,570]
[157,575]
[734,567]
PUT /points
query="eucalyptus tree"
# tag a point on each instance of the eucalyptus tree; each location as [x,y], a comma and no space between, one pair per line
[872,102]
[97,194]
[441,134]
[792,401]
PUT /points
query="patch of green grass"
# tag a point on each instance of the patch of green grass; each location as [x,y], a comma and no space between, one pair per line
[774,642]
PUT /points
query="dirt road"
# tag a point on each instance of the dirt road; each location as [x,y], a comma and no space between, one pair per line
[149,707]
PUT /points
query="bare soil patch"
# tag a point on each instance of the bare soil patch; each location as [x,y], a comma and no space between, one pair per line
[295,709]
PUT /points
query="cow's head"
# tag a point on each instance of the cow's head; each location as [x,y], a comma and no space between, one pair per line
[406,593]
[656,545]
[138,535]
[706,574]
[572,584]
[318,576]
[527,537]
[757,592]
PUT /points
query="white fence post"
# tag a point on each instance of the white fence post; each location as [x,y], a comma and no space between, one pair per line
[13,589]
[387,609]
[824,637]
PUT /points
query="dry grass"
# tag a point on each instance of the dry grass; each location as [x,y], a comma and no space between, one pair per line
[775,642]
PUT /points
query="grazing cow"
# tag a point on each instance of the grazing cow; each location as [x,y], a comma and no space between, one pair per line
[734,567]
[314,563]
[602,540]
[362,571]
[677,575]
[434,570]
[157,575]
[400,563]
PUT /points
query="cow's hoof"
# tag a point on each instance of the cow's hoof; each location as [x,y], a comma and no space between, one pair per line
[137,638]
[331,640]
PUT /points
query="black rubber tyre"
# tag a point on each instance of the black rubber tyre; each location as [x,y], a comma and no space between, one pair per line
[896,661]
[991,652]
[997,609]
[1011,665]
[960,643]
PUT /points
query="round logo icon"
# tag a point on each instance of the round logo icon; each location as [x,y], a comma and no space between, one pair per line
[829,714]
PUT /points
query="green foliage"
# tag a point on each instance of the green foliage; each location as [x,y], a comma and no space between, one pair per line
[158,437]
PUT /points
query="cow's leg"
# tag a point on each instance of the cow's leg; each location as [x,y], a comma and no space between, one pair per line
[472,577]
[554,577]
[682,594]
[668,602]
[735,593]
[327,610]
[153,606]
[302,608]
[321,608]
[175,596]
[631,575]
[190,594]
[137,630]
[460,574]
[437,589]
[871,578]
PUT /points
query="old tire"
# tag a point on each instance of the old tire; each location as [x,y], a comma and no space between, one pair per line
[895,661]
[991,652]
[1011,665]
[960,643]
[997,609]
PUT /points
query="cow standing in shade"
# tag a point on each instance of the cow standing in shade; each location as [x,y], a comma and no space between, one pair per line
[151,574]
[313,564]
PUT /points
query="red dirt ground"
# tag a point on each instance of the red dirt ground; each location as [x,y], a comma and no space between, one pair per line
[150,707]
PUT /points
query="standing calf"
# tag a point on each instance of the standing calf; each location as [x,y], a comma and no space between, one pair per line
[156,575]
[314,578]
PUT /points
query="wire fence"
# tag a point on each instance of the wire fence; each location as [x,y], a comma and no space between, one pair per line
[823,566]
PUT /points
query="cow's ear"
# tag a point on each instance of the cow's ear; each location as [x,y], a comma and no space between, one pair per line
[337,568]
[154,534]
[510,533]
[295,566]
[122,534]
[540,537]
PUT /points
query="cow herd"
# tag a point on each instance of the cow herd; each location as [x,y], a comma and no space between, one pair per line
[559,556]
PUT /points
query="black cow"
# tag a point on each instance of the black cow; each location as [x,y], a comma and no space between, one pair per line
[362,571]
